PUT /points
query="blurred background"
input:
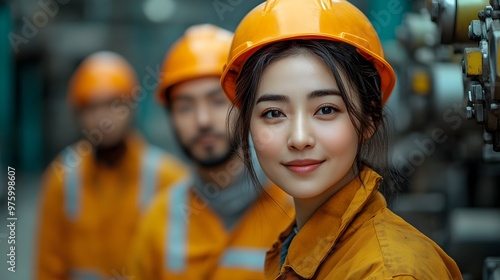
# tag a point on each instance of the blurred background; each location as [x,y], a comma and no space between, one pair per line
[452,186]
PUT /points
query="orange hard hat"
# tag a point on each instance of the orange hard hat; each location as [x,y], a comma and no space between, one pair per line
[102,75]
[281,20]
[202,51]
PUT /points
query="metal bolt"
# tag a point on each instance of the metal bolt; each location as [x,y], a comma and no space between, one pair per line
[488,11]
[480,15]
[475,30]
[469,113]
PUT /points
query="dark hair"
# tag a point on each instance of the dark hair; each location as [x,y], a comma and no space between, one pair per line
[348,68]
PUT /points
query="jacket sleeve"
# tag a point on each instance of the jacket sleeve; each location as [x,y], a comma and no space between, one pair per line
[51,240]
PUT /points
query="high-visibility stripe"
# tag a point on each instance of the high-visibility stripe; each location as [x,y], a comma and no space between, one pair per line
[176,233]
[244,258]
[72,189]
[81,274]
[149,173]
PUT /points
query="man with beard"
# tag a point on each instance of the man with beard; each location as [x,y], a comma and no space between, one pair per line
[95,191]
[216,225]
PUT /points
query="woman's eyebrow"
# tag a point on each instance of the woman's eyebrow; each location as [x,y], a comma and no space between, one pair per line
[273,97]
[322,93]
[284,99]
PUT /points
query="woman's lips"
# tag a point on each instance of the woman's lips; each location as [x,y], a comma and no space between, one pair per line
[303,166]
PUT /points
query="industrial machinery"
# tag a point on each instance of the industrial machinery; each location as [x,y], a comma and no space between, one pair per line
[440,87]
[477,24]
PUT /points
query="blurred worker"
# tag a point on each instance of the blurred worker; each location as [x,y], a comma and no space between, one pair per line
[95,191]
[214,225]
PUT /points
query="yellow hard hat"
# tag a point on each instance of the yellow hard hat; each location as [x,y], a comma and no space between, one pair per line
[202,51]
[102,75]
[281,20]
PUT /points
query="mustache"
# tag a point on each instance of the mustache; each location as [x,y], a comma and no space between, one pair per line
[206,132]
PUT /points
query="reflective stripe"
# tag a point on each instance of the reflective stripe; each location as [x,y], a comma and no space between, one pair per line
[176,233]
[149,174]
[81,274]
[244,258]
[72,188]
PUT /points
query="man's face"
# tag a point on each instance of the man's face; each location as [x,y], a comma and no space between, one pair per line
[199,113]
[105,122]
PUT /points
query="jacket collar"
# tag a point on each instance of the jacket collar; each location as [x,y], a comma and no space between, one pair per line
[333,222]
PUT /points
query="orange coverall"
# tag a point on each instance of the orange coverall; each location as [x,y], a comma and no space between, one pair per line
[89,211]
[182,238]
[355,236]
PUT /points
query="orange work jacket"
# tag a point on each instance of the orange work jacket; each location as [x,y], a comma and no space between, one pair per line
[183,238]
[355,236]
[89,211]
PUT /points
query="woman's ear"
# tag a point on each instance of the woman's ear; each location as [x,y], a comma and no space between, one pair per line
[372,124]
[370,130]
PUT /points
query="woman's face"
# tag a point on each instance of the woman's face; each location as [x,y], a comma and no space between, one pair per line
[305,141]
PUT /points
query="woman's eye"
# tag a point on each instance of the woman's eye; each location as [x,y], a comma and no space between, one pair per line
[326,110]
[273,114]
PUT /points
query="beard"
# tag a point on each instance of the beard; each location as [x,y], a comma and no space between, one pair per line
[212,159]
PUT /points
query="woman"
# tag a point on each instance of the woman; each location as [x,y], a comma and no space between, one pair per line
[310,80]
